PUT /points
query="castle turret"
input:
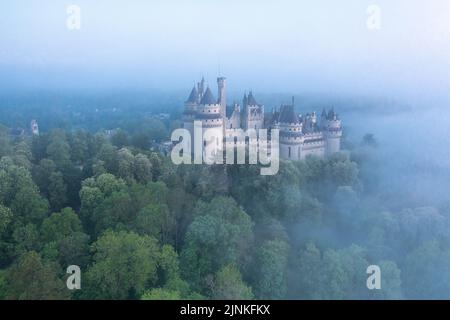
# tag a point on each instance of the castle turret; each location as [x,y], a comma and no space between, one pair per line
[234,121]
[291,136]
[212,126]
[333,132]
[190,111]
[253,113]
[201,89]
[222,99]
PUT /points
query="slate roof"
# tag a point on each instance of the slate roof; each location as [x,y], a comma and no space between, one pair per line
[288,115]
[193,96]
[208,98]
[251,101]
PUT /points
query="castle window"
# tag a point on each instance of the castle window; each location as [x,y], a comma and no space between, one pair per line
[289,150]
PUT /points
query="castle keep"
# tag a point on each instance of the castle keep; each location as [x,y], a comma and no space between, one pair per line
[300,135]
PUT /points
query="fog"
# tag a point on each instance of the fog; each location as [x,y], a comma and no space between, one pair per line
[392,82]
[267,46]
[415,152]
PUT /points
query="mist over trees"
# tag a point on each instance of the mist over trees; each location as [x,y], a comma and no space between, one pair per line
[140,227]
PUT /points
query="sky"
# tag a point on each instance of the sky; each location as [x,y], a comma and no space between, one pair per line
[271,46]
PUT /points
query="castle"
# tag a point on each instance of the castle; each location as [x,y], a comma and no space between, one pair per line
[300,135]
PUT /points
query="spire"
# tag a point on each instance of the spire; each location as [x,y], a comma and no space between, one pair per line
[288,115]
[331,114]
[193,96]
[201,87]
[208,98]
[251,100]
[222,92]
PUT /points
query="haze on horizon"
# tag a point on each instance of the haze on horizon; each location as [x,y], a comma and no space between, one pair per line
[270,46]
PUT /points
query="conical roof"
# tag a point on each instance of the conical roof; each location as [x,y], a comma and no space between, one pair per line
[251,101]
[208,98]
[193,96]
[288,115]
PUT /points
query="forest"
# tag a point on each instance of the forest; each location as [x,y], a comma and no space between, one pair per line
[140,227]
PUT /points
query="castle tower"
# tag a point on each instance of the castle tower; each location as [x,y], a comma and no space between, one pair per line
[323,119]
[333,133]
[190,111]
[291,136]
[34,128]
[234,121]
[253,117]
[209,113]
[201,89]
[222,100]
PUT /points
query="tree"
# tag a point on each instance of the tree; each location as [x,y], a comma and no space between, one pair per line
[3,285]
[333,274]
[42,173]
[154,129]
[269,270]
[22,155]
[142,169]
[57,191]
[20,194]
[25,238]
[161,294]
[369,140]
[156,220]
[124,265]
[119,138]
[6,217]
[114,212]
[391,283]
[108,154]
[228,285]
[79,146]
[345,202]
[342,172]
[106,183]
[172,286]
[60,225]
[64,239]
[125,164]
[304,275]
[5,143]
[58,149]
[220,234]
[32,279]
[74,249]
[426,272]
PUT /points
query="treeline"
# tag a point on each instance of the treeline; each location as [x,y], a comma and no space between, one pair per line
[90,110]
[140,227]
